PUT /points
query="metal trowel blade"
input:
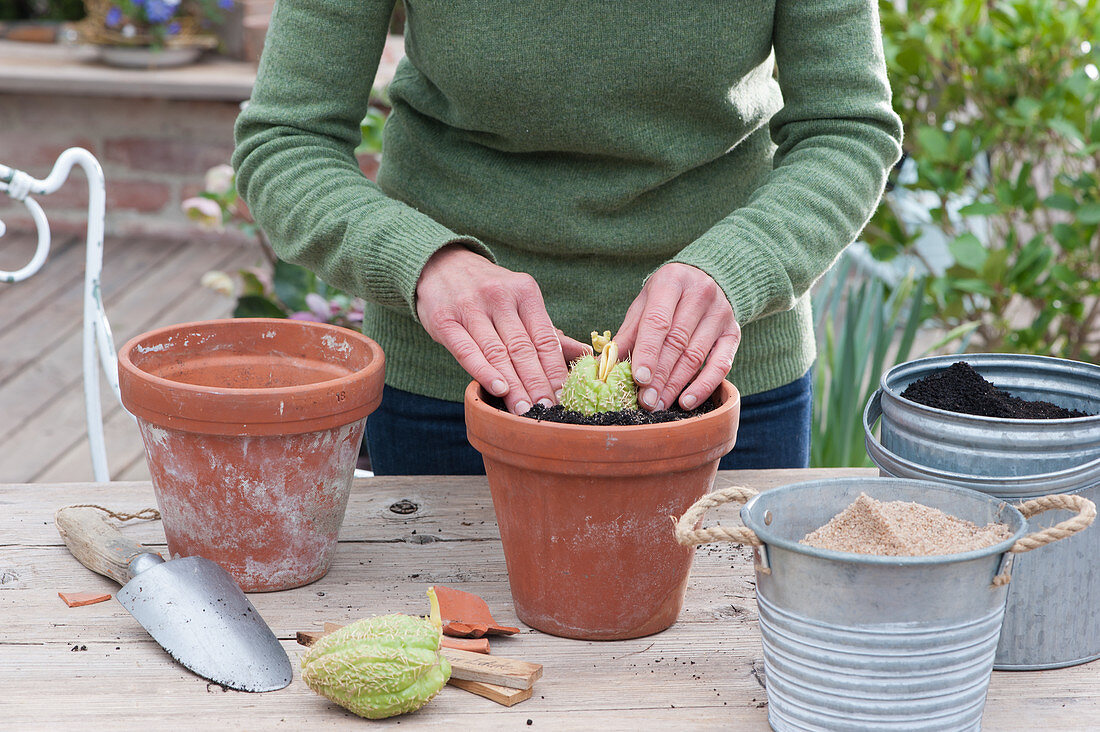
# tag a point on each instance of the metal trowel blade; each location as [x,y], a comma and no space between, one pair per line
[198,613]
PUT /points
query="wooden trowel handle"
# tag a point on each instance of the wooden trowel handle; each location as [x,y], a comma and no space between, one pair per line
[97,543]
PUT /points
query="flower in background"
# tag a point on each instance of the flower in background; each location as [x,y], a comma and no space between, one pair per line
[114,17]
[319,306]
[204,210]
[159,11]
[219,282]
[219,180]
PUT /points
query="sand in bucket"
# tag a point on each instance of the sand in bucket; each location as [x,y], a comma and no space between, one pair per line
[902,529]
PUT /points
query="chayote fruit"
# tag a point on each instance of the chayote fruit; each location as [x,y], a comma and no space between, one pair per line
[380,667]
[584,391]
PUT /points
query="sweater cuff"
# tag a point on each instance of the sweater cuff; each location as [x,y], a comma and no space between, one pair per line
[756,279]
[397,268]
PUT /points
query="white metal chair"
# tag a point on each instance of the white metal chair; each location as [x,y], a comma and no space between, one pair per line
[98,345]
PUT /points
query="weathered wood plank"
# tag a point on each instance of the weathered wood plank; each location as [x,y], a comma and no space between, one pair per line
[59,294]
[447,507]
[700,674]
[64,265]
[47,417]
[124,447]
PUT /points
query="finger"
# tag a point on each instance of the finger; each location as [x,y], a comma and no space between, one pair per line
[544,337]
[496,353]
[693,357]
[656,320]
[691,313]
[524,357]
[718,365]
[457,340]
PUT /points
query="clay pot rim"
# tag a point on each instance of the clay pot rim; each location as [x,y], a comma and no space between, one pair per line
[476,395]
[298,391]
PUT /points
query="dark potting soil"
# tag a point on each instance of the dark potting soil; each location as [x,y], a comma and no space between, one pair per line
[959,388]
[624,417]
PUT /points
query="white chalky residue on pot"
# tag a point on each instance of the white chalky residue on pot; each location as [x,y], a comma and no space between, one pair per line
[902,529]
[268,334]
[154,434]
[330,341]
[254,507]
[151,349]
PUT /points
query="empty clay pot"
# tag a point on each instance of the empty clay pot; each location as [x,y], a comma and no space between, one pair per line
[252,428]
[584,513]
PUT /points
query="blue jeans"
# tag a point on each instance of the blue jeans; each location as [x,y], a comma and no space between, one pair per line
[411,434]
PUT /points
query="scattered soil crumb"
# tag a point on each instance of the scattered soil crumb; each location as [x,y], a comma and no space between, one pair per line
[902,529]
[961,389]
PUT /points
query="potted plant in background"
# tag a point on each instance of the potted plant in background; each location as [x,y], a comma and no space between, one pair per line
[152,33]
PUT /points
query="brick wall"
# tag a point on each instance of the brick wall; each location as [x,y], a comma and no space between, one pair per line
[154,149]
[154,153]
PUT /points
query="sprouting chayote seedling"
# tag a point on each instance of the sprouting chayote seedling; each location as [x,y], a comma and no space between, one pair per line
[600,385]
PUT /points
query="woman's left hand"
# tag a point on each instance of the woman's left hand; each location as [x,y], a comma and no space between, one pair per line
[680,332]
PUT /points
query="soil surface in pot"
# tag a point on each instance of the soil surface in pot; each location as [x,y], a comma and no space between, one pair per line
[623,417]
[959,388]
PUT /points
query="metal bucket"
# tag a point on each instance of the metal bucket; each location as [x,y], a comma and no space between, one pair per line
[1053,615]
[865,642]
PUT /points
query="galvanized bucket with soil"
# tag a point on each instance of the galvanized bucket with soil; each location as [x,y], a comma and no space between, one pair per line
[1053,615]
[856,641]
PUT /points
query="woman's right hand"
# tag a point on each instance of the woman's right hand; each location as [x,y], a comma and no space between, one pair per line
[494,322]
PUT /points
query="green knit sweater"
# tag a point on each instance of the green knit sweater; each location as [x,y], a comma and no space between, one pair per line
[586,142]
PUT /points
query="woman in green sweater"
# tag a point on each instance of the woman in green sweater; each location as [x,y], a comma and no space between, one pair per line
[682,171]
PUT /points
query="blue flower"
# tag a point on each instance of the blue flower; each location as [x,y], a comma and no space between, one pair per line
[158,11]
[114,16]
[225,4]
[173,29]
[139,3]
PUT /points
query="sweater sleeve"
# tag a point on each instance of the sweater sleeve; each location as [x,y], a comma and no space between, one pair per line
[837,137]
[295,160]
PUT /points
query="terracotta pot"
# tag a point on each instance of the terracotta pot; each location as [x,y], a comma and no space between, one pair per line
[252,428]
[584,513]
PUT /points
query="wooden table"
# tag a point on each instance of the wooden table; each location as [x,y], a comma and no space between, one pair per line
[96,668]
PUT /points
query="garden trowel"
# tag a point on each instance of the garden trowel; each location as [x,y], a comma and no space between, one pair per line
[191,606]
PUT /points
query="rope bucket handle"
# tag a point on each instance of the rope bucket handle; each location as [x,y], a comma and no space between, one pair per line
[1086,514]
[688,535]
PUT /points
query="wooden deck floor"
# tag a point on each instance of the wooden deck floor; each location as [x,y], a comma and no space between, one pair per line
[43,438]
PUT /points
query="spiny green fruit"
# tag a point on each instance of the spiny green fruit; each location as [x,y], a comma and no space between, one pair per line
[600,385]
[380,667]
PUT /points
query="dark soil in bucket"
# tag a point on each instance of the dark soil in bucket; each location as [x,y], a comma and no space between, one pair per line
[624,417]
[959,388]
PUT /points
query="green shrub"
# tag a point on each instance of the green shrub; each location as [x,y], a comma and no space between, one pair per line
[999,199]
